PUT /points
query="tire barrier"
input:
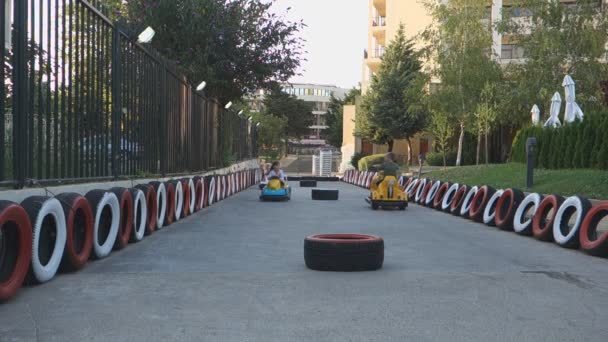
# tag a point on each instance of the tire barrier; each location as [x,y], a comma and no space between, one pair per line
[489,213]
[212,192]
[590,242]
[125,227]
[505,208]
[343,252]
[187,197]
[407,184]
[106,211]
[324,194]
[79,231]
[410,188]
[151,207]
[564,234]
[48,236]
[15,248]
[193,196]
[199,193]
[420,189]
[443,189]
[467,202]
[308,183]
[448,198]
[161,203]
[170,216]
[458,199]
[179,199]
[425,192]
[140,215]
[430,197]
[522,221]
[479,203]
[542,224]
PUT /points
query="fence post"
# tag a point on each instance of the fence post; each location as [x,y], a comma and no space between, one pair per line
[20,94]
[162,123]
[116,101]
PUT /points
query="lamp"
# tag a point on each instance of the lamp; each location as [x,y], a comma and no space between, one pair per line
[228,105]
[201,86]
[146,36]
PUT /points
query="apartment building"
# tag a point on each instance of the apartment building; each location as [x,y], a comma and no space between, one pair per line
[318,95]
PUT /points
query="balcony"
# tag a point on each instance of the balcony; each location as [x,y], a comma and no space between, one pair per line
[379,21]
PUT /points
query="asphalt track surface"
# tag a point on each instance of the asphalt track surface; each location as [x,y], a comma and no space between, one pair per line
[235,272]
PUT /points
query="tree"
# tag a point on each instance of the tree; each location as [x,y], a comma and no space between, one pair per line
[556,39]
[485,116]
[237,47]
[298,113]
[334,116]
[271,134]
[459,44]
[392,104]
[443,130]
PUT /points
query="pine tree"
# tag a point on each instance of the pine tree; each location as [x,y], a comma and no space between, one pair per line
[588,138]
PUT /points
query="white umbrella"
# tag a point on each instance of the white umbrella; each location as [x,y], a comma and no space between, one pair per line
[573,111]
[556,104]
[535,115]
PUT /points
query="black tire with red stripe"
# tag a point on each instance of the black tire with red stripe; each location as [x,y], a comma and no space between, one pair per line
[439,195]
[458,199]
[542,223]
[79,229]
[151,207]
[15,248]
[591,241]
[140,215]
[199,193]
[162,203]
[480,201]
[187,197]
[506,206]
[125,227]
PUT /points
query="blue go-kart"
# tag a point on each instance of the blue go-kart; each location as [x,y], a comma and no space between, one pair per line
[276,190]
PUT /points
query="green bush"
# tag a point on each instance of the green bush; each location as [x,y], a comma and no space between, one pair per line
[576,145]
[366,162]
[354,160]
[436,158]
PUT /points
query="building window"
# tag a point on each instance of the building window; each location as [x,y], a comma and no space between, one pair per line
[512,51]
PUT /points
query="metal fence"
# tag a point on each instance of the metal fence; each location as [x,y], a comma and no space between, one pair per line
[82,100]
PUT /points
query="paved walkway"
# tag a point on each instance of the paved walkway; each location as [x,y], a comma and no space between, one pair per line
[235,272]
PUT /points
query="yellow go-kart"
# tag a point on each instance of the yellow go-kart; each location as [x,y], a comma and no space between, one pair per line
[387,194]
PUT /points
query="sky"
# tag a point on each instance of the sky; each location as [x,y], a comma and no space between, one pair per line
[335,39]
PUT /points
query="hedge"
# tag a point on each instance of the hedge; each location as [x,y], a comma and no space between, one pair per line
[579,145]
[366,162]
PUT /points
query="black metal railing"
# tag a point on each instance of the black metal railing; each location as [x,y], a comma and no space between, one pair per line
[82,100]
[379,21]
[377,52]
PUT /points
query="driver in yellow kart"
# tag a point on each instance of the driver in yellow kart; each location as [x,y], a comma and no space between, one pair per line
[389,167]
[276,172]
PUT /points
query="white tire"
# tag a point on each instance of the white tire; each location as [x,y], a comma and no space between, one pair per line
[520,224]
[139,221]
[432,192]
[179,200]
[468,200]
[564,235]
[192,204]
[161,203]
[449,196]
[211,193]
[100,202]
[46,213]
[489,212]
[410,186]
[420,189]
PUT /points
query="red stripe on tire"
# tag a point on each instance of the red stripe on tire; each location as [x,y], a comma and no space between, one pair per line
[17,235]
[542,224]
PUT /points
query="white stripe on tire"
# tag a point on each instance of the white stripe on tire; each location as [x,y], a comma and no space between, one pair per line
[449,196]
[432,192]
[179,200]
[570,239]
[531,202]
[192,196]
[161,206]
[50,208]
[110,200]
[139,223]
[420,189]
[468,200]
[489,213]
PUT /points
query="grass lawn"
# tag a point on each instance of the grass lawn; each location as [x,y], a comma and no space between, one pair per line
[589,183]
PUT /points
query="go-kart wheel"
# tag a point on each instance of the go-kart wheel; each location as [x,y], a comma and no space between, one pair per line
[402,207]
[375,206]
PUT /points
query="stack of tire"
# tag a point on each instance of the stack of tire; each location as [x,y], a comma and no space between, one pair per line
[42,235]
[569,222]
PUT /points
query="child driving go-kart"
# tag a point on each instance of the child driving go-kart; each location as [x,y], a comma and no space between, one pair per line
[385,191]
[388,168]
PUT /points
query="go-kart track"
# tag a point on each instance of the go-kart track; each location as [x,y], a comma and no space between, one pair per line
[235,272]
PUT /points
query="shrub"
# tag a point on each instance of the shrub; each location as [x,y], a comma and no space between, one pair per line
[366,163]
[575,145]
[436,158]
[354,160]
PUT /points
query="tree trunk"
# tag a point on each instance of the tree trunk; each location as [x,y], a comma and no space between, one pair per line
[487,157]
[478,148]
[390,145]
[460,143]
[409,152]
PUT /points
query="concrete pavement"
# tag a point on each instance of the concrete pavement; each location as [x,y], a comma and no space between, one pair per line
[235,272]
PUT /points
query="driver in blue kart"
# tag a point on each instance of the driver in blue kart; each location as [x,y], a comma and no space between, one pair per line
[276,172]
[389,167]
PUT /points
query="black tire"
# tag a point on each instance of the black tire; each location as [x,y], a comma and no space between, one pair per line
[125,227]
[375,206]
[151,206]
[325,194]
[15,248]
[343,252]
[308,183]
[563,234]
[106,213]
[506,207]
[79,230]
